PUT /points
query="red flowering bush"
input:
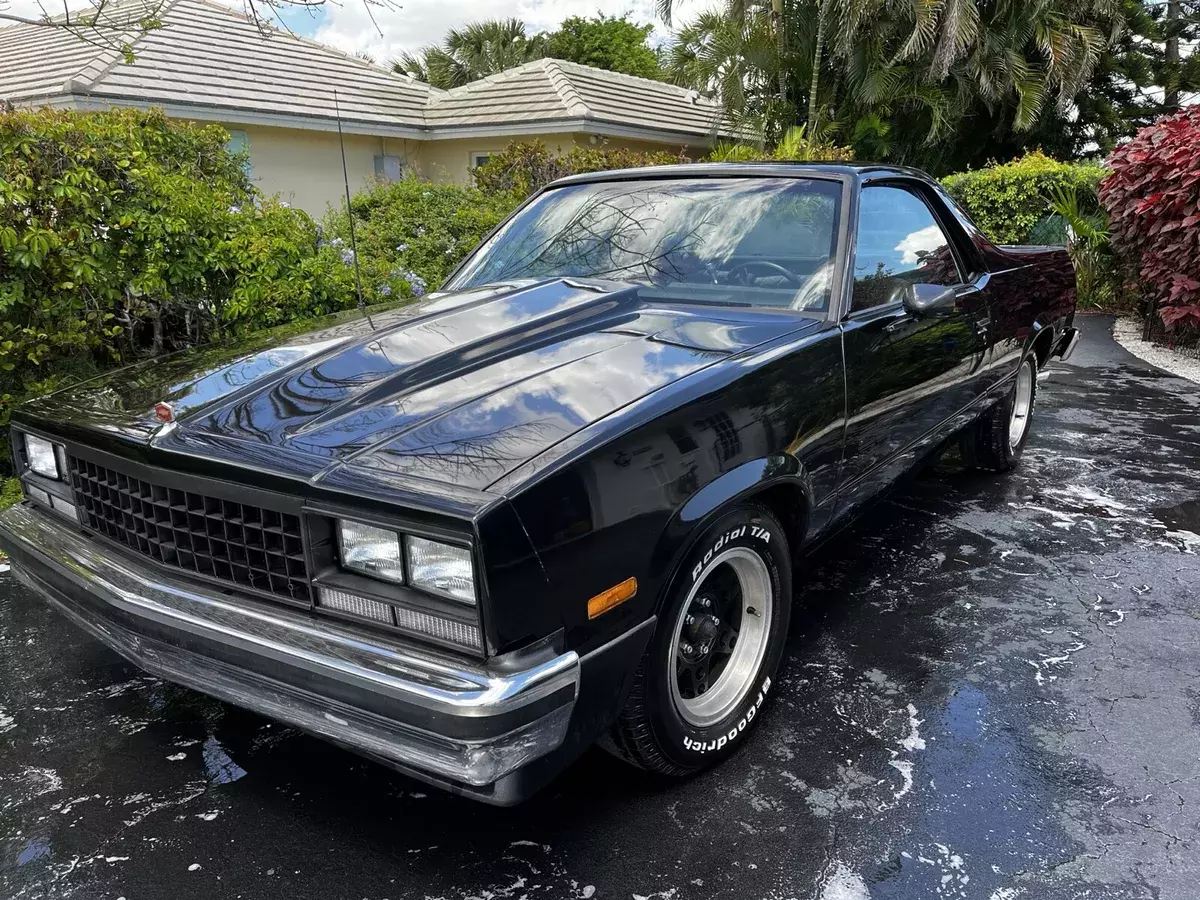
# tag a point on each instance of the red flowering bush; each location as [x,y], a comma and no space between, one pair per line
[1153,200]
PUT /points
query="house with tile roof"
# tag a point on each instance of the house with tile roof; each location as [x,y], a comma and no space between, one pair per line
[281,98]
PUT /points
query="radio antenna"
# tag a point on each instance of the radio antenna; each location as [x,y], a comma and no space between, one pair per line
[362,303]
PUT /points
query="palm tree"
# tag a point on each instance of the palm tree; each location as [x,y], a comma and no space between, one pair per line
[895,78]
[740,56]
[476,51]
[1014,53]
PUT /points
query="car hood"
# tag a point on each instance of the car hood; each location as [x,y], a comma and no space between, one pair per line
[459,388]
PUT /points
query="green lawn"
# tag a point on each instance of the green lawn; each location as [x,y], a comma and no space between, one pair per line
[10,493]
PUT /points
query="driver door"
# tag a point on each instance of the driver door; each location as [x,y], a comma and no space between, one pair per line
[908,376]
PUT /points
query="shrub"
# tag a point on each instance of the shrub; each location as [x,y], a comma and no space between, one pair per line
[410,234]
[124,234]
[1090,245]
[795,147]
[1009,201]
[104,220]
[1153,201]
[524,167]
[272,268]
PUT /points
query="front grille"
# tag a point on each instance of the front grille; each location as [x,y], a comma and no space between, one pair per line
[235,542]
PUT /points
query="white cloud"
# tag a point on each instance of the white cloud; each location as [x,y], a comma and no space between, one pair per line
[919,243]
[349,26]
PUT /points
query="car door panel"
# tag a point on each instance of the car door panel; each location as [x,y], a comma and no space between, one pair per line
[908,375]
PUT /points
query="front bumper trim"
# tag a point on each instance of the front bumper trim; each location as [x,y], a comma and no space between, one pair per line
[426,712]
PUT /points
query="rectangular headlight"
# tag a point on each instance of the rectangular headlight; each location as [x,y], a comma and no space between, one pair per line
[42,456]
[441,569]
[371,550]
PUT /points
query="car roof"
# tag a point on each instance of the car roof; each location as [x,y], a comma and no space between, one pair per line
[853,171]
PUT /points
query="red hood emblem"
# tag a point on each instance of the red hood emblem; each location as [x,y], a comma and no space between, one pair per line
[163,412]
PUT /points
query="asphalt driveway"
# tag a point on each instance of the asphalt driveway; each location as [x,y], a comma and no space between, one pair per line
[992,691]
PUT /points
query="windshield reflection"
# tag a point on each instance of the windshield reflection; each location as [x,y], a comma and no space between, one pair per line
[747,241]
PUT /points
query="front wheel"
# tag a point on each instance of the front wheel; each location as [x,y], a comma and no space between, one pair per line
[707,673]
[995,442]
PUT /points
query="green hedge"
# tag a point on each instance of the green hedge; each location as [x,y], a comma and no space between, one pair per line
[125,234]
[1011,202]
[410,234]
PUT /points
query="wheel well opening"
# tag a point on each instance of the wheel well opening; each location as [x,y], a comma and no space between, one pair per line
[790,507]
[1042,345]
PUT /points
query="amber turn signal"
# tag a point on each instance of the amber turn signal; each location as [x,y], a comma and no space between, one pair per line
[614,596]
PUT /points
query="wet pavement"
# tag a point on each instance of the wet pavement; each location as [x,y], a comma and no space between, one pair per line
[991,691]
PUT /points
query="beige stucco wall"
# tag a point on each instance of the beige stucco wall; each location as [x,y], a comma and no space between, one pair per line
[305,167]
[450,160]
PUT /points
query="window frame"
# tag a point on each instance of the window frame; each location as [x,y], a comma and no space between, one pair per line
[924,194]
[378,163]
[240,138]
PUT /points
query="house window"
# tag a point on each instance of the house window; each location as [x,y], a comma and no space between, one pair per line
[239,143]
[388,168]
[728,443]
[480,159]
[684,442]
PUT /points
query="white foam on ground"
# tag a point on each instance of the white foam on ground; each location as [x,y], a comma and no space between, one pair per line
[913,741]
[844,884]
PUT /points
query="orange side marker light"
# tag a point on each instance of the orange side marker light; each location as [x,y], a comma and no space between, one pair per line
[614,596]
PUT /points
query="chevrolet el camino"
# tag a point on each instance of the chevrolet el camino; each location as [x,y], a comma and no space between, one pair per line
[566,498]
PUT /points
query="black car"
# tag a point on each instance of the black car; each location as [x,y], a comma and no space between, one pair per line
[562,499]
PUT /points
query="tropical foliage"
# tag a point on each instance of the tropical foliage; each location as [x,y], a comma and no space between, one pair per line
[525,166]
[1089,242]
[943,84]
[1145,73]
[476,51]
[1153,201]
[606,42]
[485,48]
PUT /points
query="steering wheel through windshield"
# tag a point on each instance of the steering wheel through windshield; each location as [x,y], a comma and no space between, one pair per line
[764,265]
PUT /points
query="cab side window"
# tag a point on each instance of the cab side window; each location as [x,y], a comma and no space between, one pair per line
[899,242]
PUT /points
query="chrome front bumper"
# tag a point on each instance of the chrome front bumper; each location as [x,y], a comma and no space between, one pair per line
[432,714]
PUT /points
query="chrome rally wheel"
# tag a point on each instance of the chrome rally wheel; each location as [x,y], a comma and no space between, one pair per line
[995,441]
[706,673]
[720,636]
[1022,404]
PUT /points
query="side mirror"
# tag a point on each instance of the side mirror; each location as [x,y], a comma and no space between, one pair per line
[929,299]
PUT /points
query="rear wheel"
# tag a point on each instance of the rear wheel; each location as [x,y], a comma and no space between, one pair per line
[708,670]
[995,442]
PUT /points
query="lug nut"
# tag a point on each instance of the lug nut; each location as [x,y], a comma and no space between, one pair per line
[704,648]
[685,649]
[689,619]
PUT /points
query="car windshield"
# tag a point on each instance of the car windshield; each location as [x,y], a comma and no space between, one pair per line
[751,241]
